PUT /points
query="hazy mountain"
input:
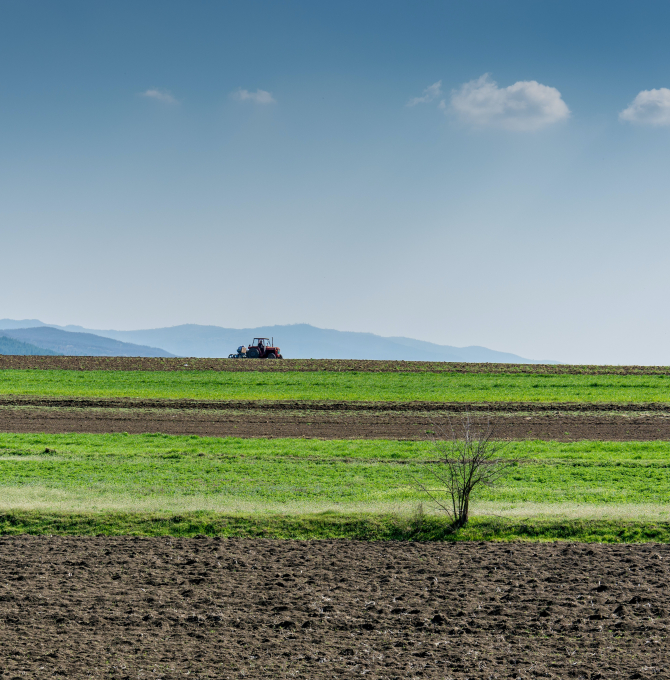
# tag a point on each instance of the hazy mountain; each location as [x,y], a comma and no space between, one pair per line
[297,341]
[9,324]
[80,344]
[18,348]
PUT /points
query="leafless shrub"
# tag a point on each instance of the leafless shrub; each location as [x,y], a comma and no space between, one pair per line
[469,457]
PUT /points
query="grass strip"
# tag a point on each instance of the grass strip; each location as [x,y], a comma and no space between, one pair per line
[116,472]
[172,447]
[338,386]
[363,527]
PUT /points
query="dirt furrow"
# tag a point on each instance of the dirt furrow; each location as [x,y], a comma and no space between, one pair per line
[82,363]
[165,607]
[340,406]
[328,425]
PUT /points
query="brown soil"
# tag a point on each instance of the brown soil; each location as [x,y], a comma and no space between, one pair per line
[358,406]
[332,421]
[162,608]
[337,365]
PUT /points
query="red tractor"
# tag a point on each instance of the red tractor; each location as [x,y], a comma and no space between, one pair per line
[260,348]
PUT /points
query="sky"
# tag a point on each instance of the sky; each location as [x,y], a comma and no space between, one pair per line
[467,173]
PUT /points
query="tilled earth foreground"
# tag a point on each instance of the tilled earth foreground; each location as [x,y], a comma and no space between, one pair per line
[210,608]
[348,421]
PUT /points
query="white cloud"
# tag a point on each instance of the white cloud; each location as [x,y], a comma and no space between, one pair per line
[159,95]
[258,97]
[525,106]
[650,107]
[429,94]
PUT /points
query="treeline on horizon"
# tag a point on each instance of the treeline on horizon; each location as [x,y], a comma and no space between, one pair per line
[18,348]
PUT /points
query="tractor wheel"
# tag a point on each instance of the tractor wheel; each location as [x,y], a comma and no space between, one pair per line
[253,353]
[272,355]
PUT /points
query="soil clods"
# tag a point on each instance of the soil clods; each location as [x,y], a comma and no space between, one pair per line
[210,608]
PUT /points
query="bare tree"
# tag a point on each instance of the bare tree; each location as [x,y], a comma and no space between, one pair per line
[468,458]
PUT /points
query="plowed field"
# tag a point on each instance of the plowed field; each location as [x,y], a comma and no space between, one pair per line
[165,608]
[324,421]
[310,365]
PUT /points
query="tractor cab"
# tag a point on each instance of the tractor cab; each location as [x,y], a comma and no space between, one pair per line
[263,348]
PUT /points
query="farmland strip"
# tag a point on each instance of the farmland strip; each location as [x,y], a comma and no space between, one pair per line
[342,424]
[390,609]
[77,363]
[309,405]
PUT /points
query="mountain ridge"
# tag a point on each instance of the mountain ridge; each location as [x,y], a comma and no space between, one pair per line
[68,343]
[298,341]
[15,347]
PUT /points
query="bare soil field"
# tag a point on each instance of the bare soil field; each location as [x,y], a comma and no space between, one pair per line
[210,608]
[76,363]
[324,405]
[352,420]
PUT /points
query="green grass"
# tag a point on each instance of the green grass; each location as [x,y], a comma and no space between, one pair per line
[170,474]
[365,527]
[338,386]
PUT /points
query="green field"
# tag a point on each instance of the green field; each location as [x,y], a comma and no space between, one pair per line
[352,386]
[170,474]
[161,484]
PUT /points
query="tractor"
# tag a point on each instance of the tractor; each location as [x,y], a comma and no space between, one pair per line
[260,348]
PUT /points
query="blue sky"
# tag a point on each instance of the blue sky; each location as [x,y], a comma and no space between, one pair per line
[253,163]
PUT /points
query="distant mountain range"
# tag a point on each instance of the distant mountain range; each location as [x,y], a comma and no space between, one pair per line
[297,341]
[55,341]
